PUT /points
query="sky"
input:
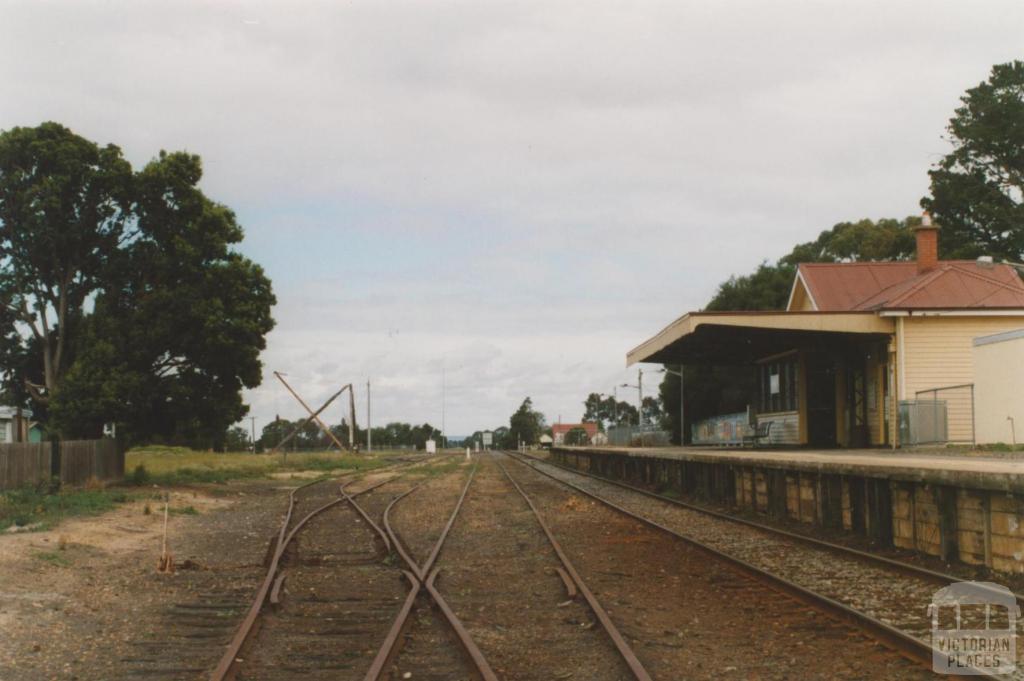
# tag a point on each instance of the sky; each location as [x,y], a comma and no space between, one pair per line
[484,201]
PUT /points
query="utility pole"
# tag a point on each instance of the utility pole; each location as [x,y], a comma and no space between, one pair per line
[640,390]
[253,431]
[369,428]
[444,433]
[352,413]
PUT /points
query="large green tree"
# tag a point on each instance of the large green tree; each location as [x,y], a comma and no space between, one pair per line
[977,190]
[525,424]
[65,210]
[145,315]
[768,287]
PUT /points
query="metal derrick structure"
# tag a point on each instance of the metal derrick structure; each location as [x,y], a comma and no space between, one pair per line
[314,416]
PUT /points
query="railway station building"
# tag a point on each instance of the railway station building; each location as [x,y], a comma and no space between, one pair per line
[865,354]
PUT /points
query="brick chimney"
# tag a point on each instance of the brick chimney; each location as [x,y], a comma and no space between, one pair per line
[927,245]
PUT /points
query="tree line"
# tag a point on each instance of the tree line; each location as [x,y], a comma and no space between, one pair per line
[977,198]
[311,438]
[608,412]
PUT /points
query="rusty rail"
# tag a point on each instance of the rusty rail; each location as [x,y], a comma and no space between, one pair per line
[901,641]
[226,667]
[421,577]
[628,656]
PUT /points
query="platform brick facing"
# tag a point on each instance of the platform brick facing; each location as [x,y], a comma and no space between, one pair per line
[902,517]
[971,546]
[847,506]
[808,500]
[1007,533]
[745,488]
[793,497]
[760,491]
[926,521]
[1007,524]
[971,526]
[986,526]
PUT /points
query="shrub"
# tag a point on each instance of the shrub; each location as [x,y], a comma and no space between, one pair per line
[140,476]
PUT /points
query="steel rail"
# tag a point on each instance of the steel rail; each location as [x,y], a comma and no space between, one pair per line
[226,666]
[423,577]
[901,641]
[865,556]
[397,462]
[630,658]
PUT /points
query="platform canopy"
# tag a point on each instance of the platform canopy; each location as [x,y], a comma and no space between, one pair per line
[744,337]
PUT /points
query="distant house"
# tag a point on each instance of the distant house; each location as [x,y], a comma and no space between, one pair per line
[545,441]
[13,429]
[560,430]
[866,353]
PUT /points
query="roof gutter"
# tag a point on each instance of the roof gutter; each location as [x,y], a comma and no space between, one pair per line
[967,312]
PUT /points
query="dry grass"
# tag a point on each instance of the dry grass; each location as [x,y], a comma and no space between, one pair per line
[177,465]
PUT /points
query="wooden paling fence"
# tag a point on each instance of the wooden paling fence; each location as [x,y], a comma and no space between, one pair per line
[29,463]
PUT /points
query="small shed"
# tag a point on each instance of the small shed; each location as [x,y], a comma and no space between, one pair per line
[545,441]
[999,388]
[17,426]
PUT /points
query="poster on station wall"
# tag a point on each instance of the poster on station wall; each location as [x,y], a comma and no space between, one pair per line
[721,430]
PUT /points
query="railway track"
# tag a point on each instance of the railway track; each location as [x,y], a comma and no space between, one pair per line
[308,520]
[885,598]
[423,577]
[345,590]
[213,598]
[938,578]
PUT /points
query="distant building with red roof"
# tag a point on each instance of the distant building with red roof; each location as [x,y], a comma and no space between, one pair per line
[859,346]
[560,430]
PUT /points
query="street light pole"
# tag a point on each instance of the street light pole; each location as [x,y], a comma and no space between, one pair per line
[640,391]
[369,428]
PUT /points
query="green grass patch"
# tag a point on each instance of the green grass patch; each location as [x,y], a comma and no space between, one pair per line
[1000,447]
[53,558]
[184,510]
[37,508]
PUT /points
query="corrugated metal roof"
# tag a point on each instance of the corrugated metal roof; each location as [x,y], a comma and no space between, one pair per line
[954,284]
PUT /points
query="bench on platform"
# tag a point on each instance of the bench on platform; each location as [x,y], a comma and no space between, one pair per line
[761,433]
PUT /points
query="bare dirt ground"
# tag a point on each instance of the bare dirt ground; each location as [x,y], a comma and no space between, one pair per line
[85,612]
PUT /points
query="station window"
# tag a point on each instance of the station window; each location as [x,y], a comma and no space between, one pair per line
[779,385]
